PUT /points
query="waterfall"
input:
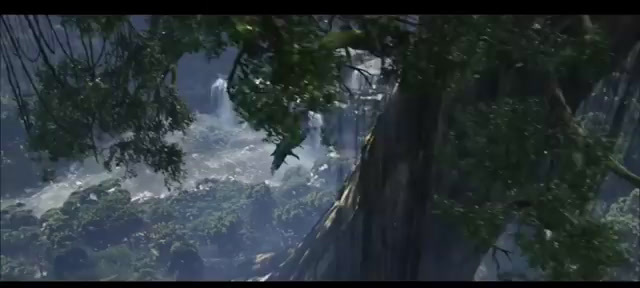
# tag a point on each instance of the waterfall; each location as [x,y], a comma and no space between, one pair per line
[350,121]
[363,84]
[315,124]
[221,104]
[215,146]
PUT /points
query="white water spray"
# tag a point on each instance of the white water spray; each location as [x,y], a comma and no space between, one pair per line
[222,105]
[314,137]
[215,146]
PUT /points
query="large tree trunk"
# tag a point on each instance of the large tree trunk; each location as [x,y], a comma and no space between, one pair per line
[383,227]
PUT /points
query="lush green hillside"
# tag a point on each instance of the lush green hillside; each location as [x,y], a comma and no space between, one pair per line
[221,230]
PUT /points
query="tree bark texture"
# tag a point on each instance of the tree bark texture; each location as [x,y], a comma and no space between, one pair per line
[383,228]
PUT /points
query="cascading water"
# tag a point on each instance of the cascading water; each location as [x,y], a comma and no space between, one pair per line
[221,104]
[365,97]
[216,145]
[314,135]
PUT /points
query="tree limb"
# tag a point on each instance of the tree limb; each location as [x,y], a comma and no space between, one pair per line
[42,101]
[495,249]
[236,63]
[622,172]
[404,21]
[55,35]
[22,51]
[348,90]
[586,23]
[68,40]
[102,49]
[51,48]
[87,53]
[362,72]
[42,51]
[12,78]
[557,101]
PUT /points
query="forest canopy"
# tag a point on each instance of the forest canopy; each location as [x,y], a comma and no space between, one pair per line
[114,97]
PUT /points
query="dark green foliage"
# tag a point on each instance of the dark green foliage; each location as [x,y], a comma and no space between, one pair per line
[500,150]
[116,260]
[183,236]
[296,217]
[101,216]
[222,229]
[125,91]
[161,214]
[22,246]
[145,267]
[15,270]
[261,207]
[73,264]
[624,216]
[89,101]
[162,236]
[111,221]
[23,241]
[210,196]
[15,216]
[89,197]
[186,262]
[58,229]
[281,64]
[146,275]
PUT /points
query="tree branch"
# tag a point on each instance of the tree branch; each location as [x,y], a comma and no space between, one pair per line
[37,24]
[362,72]
[12,78]
[42,51]
[68,40]
[236,63]
[622,172]
[495,249]
[22,51]
[404,21]
[42,101]
[55,35]
[348,90]
[586,23]
[87,53]
[102,49]
[557,101]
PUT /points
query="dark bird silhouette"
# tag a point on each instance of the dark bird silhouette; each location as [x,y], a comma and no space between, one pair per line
[284,149]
